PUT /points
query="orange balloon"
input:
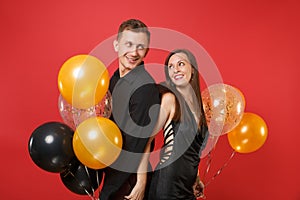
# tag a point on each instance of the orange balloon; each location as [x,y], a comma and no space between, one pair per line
[249,135]
[97,142]
[83,81]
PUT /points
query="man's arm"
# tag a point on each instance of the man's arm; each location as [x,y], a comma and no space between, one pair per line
[165,114]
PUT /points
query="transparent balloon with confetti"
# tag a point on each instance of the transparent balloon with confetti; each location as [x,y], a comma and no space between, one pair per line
[74,116]
[223,106]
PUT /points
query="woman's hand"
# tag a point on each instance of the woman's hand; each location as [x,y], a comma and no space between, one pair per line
[198,188]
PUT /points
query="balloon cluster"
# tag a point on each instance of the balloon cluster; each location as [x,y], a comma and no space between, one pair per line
[87,141]
[224,107]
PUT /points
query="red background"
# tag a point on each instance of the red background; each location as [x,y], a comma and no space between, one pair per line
[255,45]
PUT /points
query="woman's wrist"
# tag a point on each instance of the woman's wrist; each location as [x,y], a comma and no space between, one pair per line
[142,178]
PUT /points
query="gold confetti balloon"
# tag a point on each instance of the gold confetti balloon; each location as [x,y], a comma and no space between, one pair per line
[74,116]
[224,107]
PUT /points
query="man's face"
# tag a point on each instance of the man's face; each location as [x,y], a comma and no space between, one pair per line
[132,47]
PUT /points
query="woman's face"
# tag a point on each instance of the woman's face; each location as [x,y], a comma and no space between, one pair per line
[180,70]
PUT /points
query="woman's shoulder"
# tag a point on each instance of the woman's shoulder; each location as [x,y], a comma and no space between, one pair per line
[168,104]
[169,101]
[168,98]
[163,88]
[165,93]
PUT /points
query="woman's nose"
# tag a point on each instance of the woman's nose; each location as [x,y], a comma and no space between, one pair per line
[176,69]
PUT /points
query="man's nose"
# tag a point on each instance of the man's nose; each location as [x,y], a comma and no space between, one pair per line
[134,50]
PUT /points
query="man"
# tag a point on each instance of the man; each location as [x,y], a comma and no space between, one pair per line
[135,111]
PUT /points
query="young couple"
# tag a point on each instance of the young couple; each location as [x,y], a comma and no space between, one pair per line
[135,110]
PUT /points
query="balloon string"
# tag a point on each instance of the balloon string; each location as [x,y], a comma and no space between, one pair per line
[89,177]
[220,170]
[97,177]
[208,162]
[91,196]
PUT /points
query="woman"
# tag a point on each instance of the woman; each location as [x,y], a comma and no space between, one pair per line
[185,130]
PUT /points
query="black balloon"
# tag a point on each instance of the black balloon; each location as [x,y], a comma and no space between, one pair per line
[81,179]
[50,146]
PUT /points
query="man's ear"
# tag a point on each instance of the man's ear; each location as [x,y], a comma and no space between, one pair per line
[116,45]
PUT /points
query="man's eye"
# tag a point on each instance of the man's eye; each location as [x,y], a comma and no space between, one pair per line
[140,47]
[128,44]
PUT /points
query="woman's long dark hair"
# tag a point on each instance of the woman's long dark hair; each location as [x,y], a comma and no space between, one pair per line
[195,82]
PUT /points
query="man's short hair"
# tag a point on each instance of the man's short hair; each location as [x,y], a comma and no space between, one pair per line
[134,25]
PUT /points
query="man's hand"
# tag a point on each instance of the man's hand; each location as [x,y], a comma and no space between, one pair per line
[137,192]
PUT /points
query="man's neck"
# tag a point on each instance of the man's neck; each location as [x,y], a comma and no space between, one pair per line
[123,70]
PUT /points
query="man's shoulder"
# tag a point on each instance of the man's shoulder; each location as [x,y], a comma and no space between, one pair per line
[144,74]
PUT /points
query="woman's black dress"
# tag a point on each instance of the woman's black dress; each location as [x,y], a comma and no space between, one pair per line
[176,172]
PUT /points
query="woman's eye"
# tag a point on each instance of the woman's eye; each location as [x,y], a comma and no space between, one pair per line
[181,64]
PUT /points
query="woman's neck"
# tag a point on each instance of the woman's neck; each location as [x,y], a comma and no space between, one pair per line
[190,98]
[186,91]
